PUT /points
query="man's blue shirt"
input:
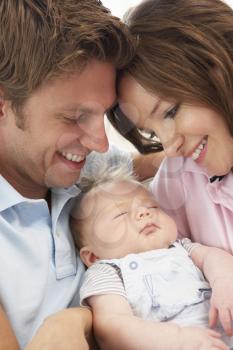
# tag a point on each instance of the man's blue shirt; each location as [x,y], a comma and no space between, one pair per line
[40,270]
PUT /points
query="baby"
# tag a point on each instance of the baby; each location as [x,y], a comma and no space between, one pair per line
[146,288]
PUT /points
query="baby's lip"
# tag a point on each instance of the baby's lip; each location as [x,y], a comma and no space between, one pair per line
[148,228]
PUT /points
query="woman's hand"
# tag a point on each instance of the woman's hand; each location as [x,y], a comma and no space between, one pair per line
[198,338]
[221,303]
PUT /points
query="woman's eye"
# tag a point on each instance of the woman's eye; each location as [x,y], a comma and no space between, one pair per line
[171,113]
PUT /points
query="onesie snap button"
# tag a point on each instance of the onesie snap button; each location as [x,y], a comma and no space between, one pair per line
[133,265]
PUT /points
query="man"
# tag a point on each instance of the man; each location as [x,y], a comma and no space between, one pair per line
[57,80]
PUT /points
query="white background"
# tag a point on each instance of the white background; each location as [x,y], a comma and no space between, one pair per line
[118,7]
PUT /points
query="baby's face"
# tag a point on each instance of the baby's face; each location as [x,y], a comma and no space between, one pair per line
[122,217]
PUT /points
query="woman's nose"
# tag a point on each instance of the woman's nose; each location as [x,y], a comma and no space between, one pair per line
[173,147]
[170,137]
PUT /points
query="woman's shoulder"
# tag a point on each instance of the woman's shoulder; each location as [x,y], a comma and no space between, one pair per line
[172,170]
[179,165]
[174,179]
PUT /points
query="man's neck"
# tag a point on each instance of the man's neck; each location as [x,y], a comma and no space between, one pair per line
[27,189]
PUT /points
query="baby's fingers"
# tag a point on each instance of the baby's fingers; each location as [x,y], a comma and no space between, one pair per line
[220,347]
[213,333]
[225,317]
[213,317]
[218,344]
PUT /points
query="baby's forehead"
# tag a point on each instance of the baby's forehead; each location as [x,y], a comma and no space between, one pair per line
[117,191]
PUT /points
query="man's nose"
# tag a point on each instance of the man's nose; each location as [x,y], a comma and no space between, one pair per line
[95,137]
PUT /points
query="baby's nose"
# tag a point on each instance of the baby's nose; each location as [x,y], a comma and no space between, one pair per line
[143,212]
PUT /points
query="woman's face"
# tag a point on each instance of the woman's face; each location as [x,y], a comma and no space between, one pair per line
[184,130]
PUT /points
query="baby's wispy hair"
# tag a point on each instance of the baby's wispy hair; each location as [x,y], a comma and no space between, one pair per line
[104,174]
[90,179]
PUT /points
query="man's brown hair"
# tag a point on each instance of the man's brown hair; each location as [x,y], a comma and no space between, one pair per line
[46,38]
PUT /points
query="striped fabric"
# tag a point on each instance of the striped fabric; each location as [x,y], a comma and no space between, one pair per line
[103,278]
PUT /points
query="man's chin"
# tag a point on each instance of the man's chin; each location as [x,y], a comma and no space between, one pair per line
[63,181]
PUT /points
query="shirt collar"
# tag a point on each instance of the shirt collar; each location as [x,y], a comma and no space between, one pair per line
[223,187]
[10,196]
[191,165]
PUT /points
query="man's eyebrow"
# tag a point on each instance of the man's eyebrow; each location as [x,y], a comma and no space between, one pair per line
[75,108]
[85,109]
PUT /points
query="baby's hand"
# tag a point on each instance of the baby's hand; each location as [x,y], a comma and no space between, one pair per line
[197,338]
[221,304]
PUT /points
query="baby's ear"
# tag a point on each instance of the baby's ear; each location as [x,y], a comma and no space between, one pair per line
[87,256]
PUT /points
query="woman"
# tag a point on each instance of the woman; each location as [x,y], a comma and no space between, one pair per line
[177,95]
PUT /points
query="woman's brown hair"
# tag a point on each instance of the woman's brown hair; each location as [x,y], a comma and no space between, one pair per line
[184,52]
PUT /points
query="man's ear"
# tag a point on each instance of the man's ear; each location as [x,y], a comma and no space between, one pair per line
[87,256]
[2,103]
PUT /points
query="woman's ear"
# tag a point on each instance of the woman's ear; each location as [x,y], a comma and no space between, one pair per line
[87,256]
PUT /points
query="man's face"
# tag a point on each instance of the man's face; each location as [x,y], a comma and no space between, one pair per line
[64,122]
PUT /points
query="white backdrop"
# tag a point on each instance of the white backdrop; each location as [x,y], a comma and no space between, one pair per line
[118,7]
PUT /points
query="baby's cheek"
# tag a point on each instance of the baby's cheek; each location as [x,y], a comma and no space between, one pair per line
[110,235]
